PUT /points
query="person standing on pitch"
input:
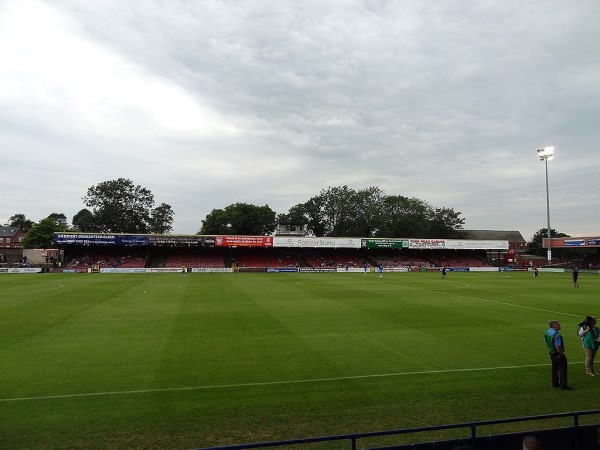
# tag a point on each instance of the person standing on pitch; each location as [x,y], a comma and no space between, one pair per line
[556,349]
[575,277]
[590,335]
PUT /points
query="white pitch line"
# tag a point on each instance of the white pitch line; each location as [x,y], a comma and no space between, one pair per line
[265,383]
[53,287]
[496,301]
[511,304]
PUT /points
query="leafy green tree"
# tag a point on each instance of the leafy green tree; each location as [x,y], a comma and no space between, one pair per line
[41,234]
[84,221]
[313,209]
[535,246]
[338,210]
[240,219]
[404,217]
[342,211]
[161,219]
[369,218]
[60,219]
[20,221]
[444,223]
[119,206]
[295,216]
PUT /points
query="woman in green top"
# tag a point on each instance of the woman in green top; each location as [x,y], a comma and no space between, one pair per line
[590,335]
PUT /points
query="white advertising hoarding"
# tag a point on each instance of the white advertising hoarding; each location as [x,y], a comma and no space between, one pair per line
[316,242]
[456,244]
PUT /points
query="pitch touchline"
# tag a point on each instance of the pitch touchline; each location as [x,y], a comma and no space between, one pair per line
[266,383]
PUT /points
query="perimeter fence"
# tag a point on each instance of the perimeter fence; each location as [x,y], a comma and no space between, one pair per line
[571,436]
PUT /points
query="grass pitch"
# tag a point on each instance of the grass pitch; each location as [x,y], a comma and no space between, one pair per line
[166,361]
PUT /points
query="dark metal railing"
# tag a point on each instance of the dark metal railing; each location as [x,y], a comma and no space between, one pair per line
[354,437]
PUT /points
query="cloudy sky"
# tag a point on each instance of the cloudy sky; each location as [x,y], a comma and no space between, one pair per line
[208,103]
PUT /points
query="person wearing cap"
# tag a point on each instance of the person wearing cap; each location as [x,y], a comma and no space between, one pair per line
[556,350]
[590,335]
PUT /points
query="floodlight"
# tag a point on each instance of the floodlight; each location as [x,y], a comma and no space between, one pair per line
[547,154]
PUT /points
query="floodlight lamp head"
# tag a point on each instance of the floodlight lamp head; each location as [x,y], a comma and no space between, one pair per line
[546,153]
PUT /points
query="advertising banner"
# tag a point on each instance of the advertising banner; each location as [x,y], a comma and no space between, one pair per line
[181,241]
[427,243]
[243,241]
[21,270]
[396,269]
[456,244]
[100,239]
[591,241]
[131,239]
[384,243]
[212,269]
[123,270]
[164,270]
[84,239]
[315,242]
[317,269]
[574,242]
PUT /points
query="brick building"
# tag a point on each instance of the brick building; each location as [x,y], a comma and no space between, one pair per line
[10,244]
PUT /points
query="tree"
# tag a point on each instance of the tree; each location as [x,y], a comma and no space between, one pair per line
[84,221]
[161,219]
[444,223]
[20,221]
[59,219]
[368,218]
[41,234]
[536,247]
[404,217]
[295,216]
[313,210]
[342,211]
[118,206]
[240,219]
[337,209]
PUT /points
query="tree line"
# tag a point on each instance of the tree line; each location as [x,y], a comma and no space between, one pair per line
[116,206]
[120,206]
[342,212]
